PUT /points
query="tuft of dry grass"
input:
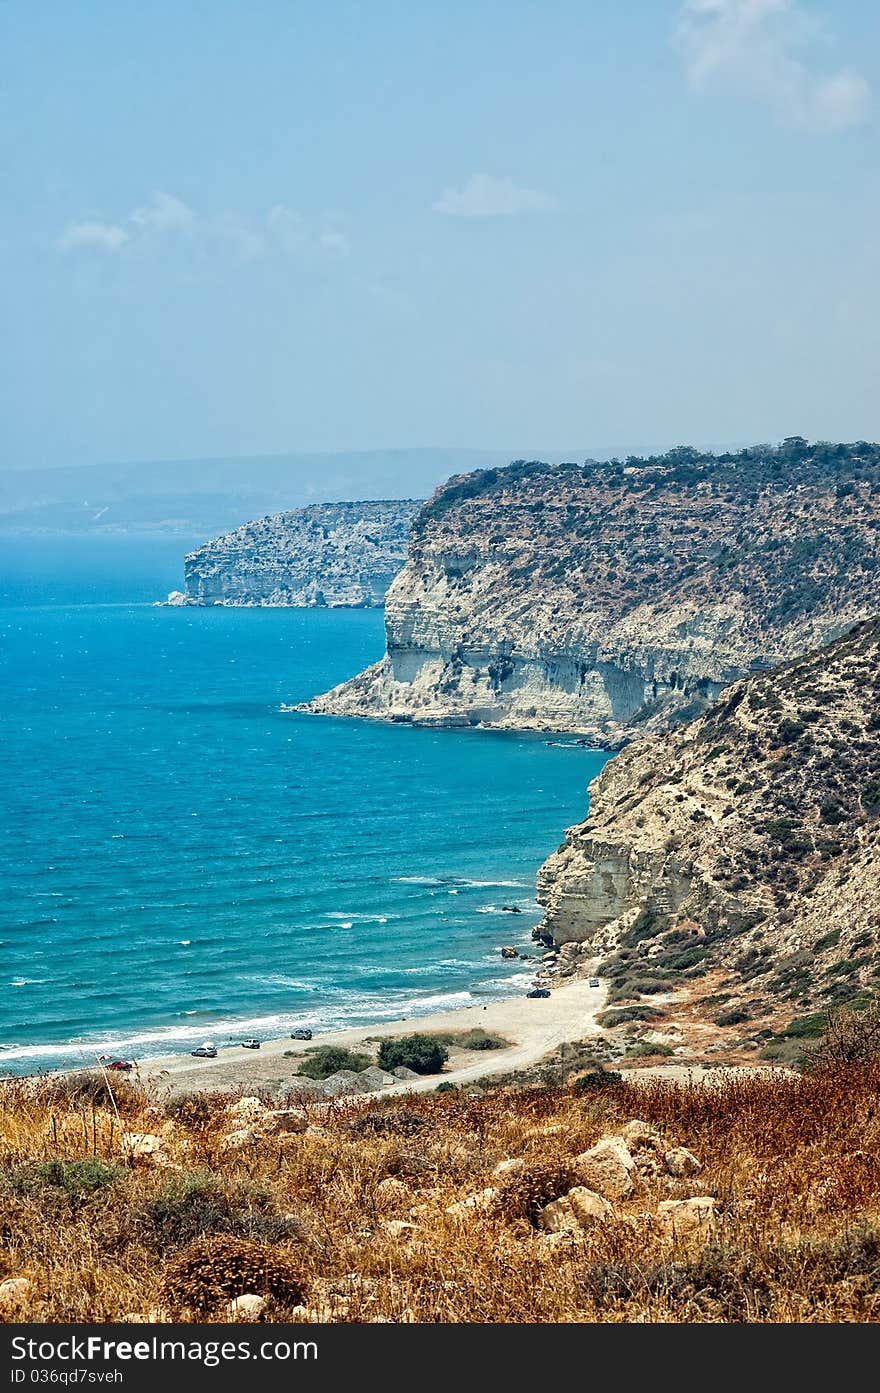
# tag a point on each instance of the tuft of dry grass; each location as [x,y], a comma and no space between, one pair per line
[105,1233]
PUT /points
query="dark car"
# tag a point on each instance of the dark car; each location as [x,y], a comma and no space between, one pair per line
[250,1044]
[123,1064]
[538,991]
[302,1032]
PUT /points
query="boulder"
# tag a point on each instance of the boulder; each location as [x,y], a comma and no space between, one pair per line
[245,1108]
[509,952]
[482,1202]
[344,1081]
[400,1071]
[15,1291]
[639,1134]
[392,1193]
[681,1162]
[567,1241]
[679,1217]
[607,1168]
[240,1139]
[399,1229]
[377,1078]
[245,1307]
[512,1166]
[285,1120]
[588,1207]
[579,1209]
[143,1145]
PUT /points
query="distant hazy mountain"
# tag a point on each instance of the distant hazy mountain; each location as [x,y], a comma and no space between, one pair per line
[205,497]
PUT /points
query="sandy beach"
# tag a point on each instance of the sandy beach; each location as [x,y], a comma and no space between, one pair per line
[534,1028]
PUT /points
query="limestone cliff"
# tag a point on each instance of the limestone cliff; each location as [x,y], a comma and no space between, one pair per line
[618,598]
[329,554]
[748,840]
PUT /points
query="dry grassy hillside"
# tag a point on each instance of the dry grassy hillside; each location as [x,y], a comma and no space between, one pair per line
[362,1212]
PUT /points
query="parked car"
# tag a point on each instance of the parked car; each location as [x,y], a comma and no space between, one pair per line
[205,1052]
[250,1044]
[123,1064]
[302,1032]
[538,991]
[593,982]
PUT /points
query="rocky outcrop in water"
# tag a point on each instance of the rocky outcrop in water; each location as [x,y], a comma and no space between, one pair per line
[621,598]
[332,554]
[747,841]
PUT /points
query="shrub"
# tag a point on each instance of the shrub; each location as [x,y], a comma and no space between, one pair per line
[735,1017]
[197,1203]
[597,1079]
[805,1027]
[218,1267]
[77,1178]
[645,1047]
[620,1015]
[851,1037]
[829,940]
[325,1060]
[475,1039]
[425,1054]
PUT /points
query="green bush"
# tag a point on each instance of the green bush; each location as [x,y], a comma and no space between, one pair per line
[805,1027]
[735,1017]
[642,1048]
[325,1060]
[619,1016]
[597,1079]
[475,1039]
[77,1178]
[424,1054]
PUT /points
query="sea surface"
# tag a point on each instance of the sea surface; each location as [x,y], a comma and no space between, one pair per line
[181,860]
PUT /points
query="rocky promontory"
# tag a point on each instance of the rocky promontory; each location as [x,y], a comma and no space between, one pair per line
[748,841]
[619,598]
[329,554]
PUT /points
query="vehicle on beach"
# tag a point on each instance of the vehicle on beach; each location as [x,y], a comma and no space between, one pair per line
[302,1032]
[538,991]
[593,982]
[205,1052]
[250,1044]
[122,1064]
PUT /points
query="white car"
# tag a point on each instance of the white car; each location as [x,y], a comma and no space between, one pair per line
[593,982]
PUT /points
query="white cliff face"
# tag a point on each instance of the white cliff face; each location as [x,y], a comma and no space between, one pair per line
[612,601]
[333,554]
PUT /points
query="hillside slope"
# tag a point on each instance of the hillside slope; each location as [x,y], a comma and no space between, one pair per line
[329,554]
[618,598]
[747,841]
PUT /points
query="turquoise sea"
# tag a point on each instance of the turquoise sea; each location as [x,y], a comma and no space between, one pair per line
[180,859]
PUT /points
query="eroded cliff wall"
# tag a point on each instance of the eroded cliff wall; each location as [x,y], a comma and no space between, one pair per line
[748,840]
[615,599]
[330,554]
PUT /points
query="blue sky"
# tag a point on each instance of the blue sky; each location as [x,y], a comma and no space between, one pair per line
[246,229]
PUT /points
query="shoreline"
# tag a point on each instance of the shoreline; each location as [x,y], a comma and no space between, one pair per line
[534,1027]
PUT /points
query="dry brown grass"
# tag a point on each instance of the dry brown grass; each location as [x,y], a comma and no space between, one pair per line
[793,1161]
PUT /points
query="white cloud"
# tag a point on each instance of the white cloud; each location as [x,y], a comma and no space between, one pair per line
[164,213]
[484,196]
[166,219]
[103,236]
[753,46]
